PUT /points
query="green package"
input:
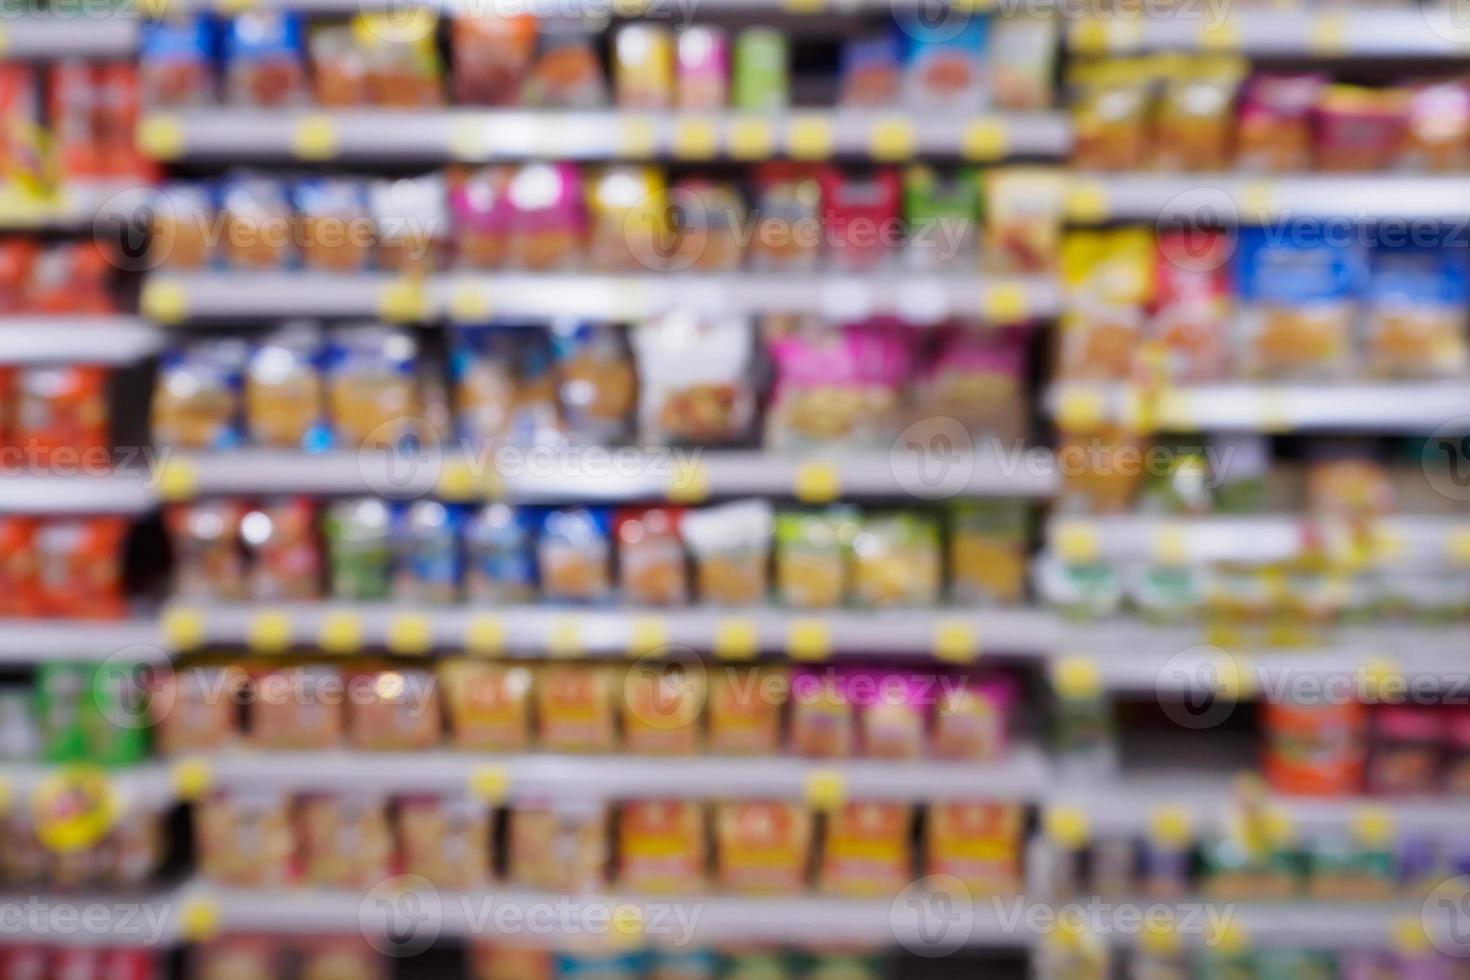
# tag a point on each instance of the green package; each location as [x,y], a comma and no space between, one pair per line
[942,216]
[61,697]
[115,718]
[359,550]
[762,81]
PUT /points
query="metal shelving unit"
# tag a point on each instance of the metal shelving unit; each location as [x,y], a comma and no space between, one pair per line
[1430,30]
[42,339]
[123,492]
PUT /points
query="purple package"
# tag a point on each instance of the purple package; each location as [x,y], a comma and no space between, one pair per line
[481,211]
[972,718]
[548,220]
[892,711]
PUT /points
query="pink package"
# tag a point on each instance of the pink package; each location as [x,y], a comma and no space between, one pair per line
[1192,304]
[971,719]
[892,711]
[481,210]
[703,69]
[822,717]
[548,222]
[975,376]
[861,216]
[839,387]
[1274,131]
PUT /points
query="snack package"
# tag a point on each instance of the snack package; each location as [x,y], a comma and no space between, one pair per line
[651,569]
[238,957]
[297,708]
[505,386]
[1109,280]
[334,224]
[662,847]
[971,720]
[255,213]
[79,567]
[596,382]
[762,848]
[265,60]
[627,205]
[494,962]
[1345,482]
[18,595]
[1190,323]
[548,224]
[286,561]
[788,209]
[694,379]
[730,545]
[942,216]
[761,79]
[479,203]
[345,841]
[427,565]
[1416,311]
[1358,128]
[1314,749]
[839,387]
[896,562]
[1437,135]
[197,398]
[180,221]
[500,566]
[870,72]
[978,843]
[573,554]
[412,225]
[643,66]
[17,258]
[1297,303]
[197,708]
[371,391]
[359,549]
[1274,129]
[1022,56]
[745,707]
[401,714]
[823,718]
[867,853]
[987,552]
[489,704]
[1405,756]
[174,64]
[333,957]
[558,850]
[400,58]
[1194,122]
[446,840]
[246,840]
[1110,113]
[1023,219]
[663,708]
[61,414]
[974,377]
[703,69]
[812,550]
[567,73]
[339,67]
[944,63]
[892,714]
[209,560]
[709,216]
[861,216]
[71,277]
[575,708]
[492,57]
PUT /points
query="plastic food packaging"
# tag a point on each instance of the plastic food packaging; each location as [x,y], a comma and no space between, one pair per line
[492,57]
[651,568]
[1110,113]
[694,379]
[663,847]
[761,77]
[745,709]
[197,399]
[978,843]
[480,206]
[280,536]
[174,65]
[574,555]
[548,223]
[265,57]
[345,841]
[567,73]
[867,852]
[730,545]
[401,58]
[284,396]
[862,218]
[1194,123]
[1415,317]
[359,553]
[1274,131]
[1109,277]
[1406,752]
[1023,219]
[207,549]
[197,708]
[643,67]
[837,388]
[559,850]
[257,220]
[71,277]
[505,386]
[372,392]
[61,416]
[762,848]
[896,562]
[489,704]
[628,227]
[709,216]
[448,841]
[297,708]
[500,565]
[1438,128]
[246,840]
[1297,304]
[703,69]
[972,719]
[412,224]
[427,564]
[663,708]
[812,566]
[1358,129]
[1192,306]
[401,714]
[575,708]
[823,717]
[944,64]
[987,553]
[79,567]
[788,217]
[974,377]
[870,72]
[334,224]
[1023,53]
[942,215]
[1314,749]
[180,224]
[893,716]
[339,67]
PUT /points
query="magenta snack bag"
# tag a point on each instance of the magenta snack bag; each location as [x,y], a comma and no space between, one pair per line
[838,387]
[974,376]
[480,209]
[972,718]
[548,219]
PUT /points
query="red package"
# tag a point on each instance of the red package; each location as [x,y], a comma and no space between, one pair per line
[73,101]
[17,256]
[71,278]
[20,151]
[25,963]
[1359,128]
[1188,327]
[788,231]
[78,963]
[1275,128]
[492,56]
[861,215]
[18,567]
[281,538]
[651,565]
[118,106]
[129,964]
[79,569]
[61,416]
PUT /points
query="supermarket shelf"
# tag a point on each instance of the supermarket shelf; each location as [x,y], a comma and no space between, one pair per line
[76,207]
[473,299]
[594,474]
[1207,199]
[243,135]
[550,778]
[29,641]
[94,339]
[1258,539]
[149,785]
[57,36]
[957,635]
[116,493]
[1404,407]
[115,920]
[1425,32]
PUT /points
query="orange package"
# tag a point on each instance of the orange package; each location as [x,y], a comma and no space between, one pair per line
[1314,749]
[868,851]
[651,566]
[762,848]
[18,596]
[662,708]
[17,256]
[79,567]
[575,708]
[395,711]
[489,704]
[978,843]
[745,705]
[70,278]
[663,847]
[298,708]
[61,416]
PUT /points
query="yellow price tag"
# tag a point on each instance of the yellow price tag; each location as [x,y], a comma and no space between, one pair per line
[315,137]
[892,139]
[638,138]
[804,6]
[695,139]
[1170,546]
[233,8]
[647,633]
[175,479]
[183,629]
[6,795]
[192,778]
[457,480]
[1274,417]
[485,635]
[1003,304]
[690,483]
[1373,826]
[269,631]
[751,139]
[566,637]
[164,302]
[736,639]
[1387,544]
[956,642]
[1080,408]
[1379,675]
[1171,826]
[1458,545]
[403,301]
[410,633]
[466,139]
[1174,410]
[1231,683]
[1408,936]
[1086,201]
[1159,938]
[341,631]
[199,919]
[809,639]
[161,137]
[490,784]
[817,483]
[985,139]
[825,789]
[469,304]
[1220,35]
[1077,678]
[1328,35]
[1258,199]
[627,921]
[809,138]
[1078,542]
[1227,936]
[1067,826]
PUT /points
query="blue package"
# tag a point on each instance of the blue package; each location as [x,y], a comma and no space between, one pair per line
[870,71]
[198,402]
[283,390]
[499,555]
[427,562]
[694,964]
[1298,300]
[1417,294]
[175,61]
[265,58]
[256,221]
[945,62]
[179,39]
[574,554]
[604,966]
[372,384]
[504,386]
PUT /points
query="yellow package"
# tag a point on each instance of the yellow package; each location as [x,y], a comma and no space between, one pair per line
[868,852]
[628,206]
[1110,113]
[1108,278]
[662,709]
[575,708]
[762,848]
[978,843]
[489,704]
[662,845]
[1023,218]
[745,705]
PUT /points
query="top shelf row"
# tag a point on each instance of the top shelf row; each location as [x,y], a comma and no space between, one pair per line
[1432,31]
